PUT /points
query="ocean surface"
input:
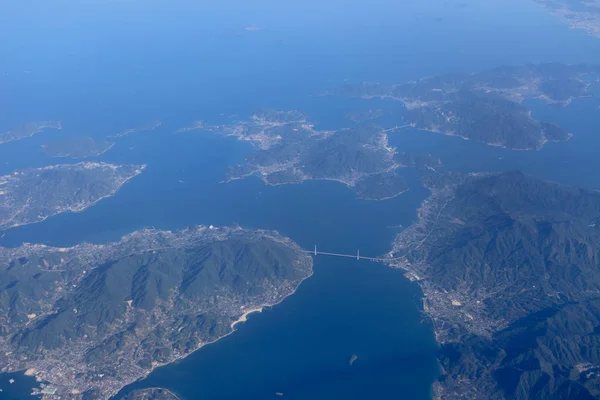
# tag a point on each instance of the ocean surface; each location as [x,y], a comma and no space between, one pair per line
[107,66]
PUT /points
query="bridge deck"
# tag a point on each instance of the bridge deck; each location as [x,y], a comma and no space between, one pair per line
[355,256]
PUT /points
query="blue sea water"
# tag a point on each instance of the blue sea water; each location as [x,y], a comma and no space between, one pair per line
[102,67]
[20,387]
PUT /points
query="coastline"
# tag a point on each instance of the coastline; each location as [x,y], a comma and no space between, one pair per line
[112,144]
[384,198]
[350,184]
[138,171]
[242,318]
[502,146]
[39,129]
[416,277]
[152,390]
[245,315]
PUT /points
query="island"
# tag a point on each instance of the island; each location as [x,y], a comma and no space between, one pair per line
[144,128]
[382,186]
[509,268]
[93,318]
[289,150]
[419,160]
[579,14]
[365,115]
[77,147]
[27,130]
[487,106]
[32,195]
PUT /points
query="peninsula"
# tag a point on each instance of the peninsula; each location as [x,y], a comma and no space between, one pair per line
[508,265]
[32,195]
[93,318]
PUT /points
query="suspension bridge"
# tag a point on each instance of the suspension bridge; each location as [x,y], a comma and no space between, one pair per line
[356,256]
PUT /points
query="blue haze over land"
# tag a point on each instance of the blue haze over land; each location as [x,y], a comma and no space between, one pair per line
[104,67]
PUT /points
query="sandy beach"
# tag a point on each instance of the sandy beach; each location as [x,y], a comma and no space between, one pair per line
[244,316]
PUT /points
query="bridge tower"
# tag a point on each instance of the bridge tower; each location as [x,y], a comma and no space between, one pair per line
[358,254]
[315,249]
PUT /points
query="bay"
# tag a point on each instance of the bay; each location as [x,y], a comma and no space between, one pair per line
[302,347]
